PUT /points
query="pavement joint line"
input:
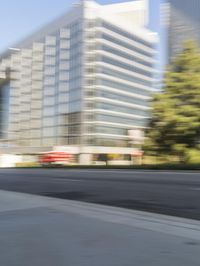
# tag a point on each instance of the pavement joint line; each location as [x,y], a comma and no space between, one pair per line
[132,171]
[138,219]
[128,171]
[68,179]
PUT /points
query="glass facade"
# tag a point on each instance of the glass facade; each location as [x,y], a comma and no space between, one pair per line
[120,80]
[81,82]
[46,89]
[4,110]
[184,24]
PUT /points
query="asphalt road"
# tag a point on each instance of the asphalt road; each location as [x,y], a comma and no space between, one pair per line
[165,192]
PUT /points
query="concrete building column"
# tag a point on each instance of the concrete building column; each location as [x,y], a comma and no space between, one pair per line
[85,159]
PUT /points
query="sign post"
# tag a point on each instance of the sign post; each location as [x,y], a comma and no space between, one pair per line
[137,139]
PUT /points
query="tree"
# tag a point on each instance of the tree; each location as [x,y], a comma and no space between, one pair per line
[174,129]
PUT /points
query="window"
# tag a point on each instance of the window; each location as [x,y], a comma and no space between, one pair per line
[63,86]
[124,87]
[126,77]
[50,60]
[74,130]
[122,109]
[49,111]
[73,140]
[35,133]
[49,80]
[74,106]
[48,141]
[62,130]
[50,51]
[111,142]
[49,91]
[64,44]
[38,47]
[111,130]
[63,97]
[122,120]
[64,65]
[74,95]
[49,132]
[49,100]
[126,45]
[64,75]
[122,98]
[50,40]
[64,33]
[48,121]
[126,34]
[63,108]
[64,55]
[129,67]
[74,118]
[125,55]
[50,71]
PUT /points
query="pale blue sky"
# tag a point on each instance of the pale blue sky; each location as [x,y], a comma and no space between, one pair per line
[19,18]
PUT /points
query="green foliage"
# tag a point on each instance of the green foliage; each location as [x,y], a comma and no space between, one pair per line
[193,156]
[174,128]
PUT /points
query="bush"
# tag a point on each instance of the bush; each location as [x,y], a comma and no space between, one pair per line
[27,164]
[193,156]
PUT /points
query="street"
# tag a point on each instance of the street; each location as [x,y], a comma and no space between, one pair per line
[175,193]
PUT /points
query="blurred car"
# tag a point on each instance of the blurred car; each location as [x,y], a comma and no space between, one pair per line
[55,157]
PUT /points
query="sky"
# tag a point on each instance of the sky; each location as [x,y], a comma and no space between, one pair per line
[19,18]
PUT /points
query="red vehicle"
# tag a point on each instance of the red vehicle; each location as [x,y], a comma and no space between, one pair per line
[55,157]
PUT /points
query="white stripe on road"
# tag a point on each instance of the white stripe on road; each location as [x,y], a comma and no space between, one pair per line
[195,188]
[68,180]
[57,179]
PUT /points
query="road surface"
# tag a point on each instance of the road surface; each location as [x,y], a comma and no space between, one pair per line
[173,193]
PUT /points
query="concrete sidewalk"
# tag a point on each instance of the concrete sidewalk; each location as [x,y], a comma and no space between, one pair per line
[43,231]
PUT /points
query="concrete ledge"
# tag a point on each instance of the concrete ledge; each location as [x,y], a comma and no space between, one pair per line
[11,201]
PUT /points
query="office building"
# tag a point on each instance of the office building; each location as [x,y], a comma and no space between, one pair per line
[184,24]
[83,81]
